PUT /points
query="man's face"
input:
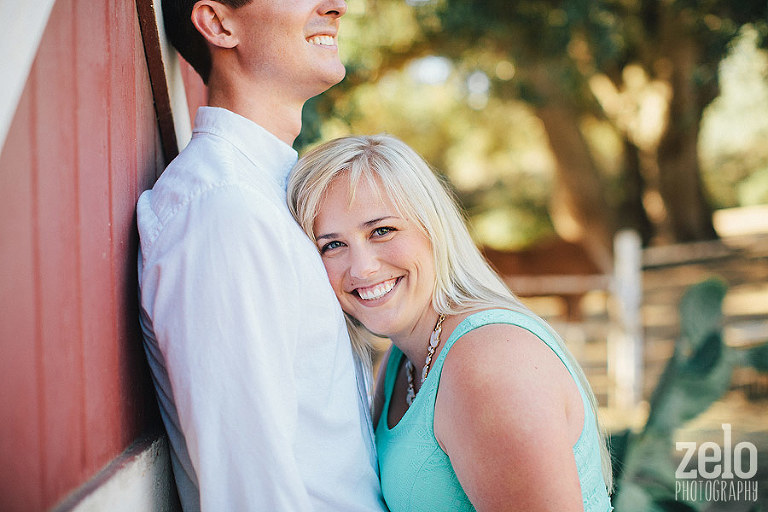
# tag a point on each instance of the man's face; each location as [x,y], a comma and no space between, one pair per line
[292,44]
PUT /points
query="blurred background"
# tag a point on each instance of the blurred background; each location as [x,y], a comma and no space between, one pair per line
[611,157]
[612,160]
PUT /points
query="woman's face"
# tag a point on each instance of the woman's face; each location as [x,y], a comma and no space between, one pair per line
[379,263]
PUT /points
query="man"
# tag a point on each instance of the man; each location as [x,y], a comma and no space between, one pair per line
[247,345]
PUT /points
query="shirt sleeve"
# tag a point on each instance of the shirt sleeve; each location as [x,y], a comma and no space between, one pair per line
[223,318]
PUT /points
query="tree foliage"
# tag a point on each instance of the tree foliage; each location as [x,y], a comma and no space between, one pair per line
[588,109]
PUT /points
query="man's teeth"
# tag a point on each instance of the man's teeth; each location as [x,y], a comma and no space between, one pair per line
[322,40]
[378,291]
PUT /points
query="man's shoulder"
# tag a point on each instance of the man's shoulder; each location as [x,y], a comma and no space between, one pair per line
[206,160]
[208,174]
[207,163]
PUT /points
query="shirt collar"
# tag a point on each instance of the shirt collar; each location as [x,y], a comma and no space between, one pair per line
[261,147]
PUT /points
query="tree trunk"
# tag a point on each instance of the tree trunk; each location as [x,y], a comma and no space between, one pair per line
[580,194]
[632,213]
[680,184]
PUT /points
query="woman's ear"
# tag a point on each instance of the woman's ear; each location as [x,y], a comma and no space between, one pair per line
[212,20]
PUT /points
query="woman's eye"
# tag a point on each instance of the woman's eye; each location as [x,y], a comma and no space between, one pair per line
[384,230]
[329,246]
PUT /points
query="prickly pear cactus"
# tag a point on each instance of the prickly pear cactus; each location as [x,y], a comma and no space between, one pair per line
[699,372]
[697,375]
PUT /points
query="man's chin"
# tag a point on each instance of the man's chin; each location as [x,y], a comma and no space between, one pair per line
[327,84]
[338,76]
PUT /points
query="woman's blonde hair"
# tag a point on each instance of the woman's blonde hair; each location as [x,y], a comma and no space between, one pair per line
[465,281]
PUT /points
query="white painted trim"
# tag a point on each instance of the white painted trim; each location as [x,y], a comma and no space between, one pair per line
[139,479]
[19,40]
[176,90]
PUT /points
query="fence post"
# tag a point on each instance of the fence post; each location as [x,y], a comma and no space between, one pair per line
[625,343]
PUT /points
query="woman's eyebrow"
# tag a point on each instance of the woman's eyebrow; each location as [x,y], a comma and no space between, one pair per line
[365,224]
[327,235]
[377,220]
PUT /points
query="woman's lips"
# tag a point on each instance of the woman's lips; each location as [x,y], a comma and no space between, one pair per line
[377,291]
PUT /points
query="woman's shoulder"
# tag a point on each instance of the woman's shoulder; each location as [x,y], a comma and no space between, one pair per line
[506,363]
[520,317]
[491,349]
[516,333]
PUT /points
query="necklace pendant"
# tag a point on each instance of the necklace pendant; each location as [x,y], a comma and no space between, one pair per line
[434,341]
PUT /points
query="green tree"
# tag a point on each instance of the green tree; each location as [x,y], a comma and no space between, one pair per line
[563,48]
[579,66]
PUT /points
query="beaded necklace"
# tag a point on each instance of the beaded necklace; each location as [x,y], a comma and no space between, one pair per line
[434,341]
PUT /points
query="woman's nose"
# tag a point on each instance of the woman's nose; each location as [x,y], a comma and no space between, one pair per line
[363,262]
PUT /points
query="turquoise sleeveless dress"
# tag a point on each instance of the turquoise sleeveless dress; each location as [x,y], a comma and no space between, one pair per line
[416,474]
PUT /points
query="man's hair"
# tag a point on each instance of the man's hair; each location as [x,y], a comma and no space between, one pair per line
[181,32]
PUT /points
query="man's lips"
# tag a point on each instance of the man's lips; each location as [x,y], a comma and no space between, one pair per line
[322,40]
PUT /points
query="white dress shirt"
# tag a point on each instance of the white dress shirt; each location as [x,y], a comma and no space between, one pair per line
[246,342]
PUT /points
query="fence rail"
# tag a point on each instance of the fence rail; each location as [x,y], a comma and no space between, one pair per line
[638,326]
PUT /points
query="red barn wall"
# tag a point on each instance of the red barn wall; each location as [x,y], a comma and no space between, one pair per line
[74,388]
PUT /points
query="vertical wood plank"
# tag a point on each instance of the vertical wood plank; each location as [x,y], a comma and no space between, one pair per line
[149,160]
[101,391]
[21,470]
[125,131]
[83,145]
[59,270]
[159,77]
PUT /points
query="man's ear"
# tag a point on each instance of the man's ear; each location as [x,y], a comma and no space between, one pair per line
[212,20]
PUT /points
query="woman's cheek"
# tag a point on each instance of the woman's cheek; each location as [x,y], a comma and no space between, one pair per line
[334,275]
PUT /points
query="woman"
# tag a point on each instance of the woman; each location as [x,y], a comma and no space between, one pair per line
[479,404]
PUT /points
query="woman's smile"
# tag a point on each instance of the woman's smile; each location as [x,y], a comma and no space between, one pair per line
[377,291]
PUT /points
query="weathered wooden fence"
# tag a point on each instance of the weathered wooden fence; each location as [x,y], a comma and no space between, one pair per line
[626,334]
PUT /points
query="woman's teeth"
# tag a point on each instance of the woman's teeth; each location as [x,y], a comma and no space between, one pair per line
[378,291]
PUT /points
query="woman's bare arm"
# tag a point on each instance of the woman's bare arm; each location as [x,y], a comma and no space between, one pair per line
[508,414]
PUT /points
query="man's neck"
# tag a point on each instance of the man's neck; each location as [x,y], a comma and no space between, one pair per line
[269,110]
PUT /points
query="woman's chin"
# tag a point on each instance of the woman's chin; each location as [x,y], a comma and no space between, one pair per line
[373,329]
